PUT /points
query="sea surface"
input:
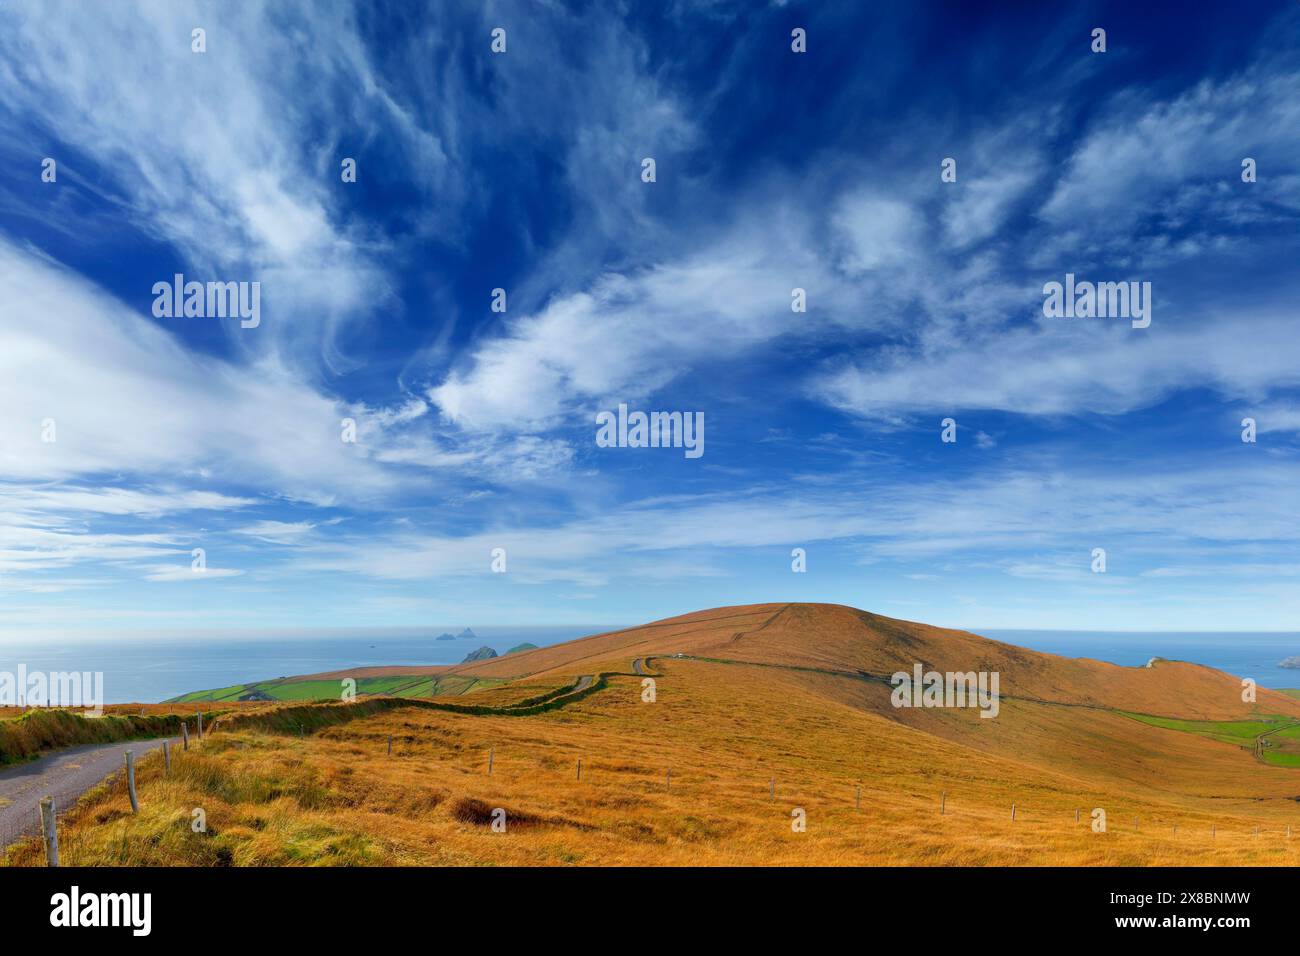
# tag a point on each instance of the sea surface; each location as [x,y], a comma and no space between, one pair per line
[156,669]
[153,670]
[1242,654]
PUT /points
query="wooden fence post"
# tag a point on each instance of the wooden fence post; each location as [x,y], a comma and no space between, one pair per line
[200,713]
[130,781]
[491,754]
[48,829]
[390,745]
[1013,811]
[579,768]
[1076,814]
[167,757]
[185,735]
[943,801]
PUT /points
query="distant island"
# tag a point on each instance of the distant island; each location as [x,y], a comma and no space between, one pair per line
[465,635]
[485,653]
[1293,662]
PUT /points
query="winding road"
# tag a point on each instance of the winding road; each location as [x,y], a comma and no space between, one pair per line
[67,774]
[64,775]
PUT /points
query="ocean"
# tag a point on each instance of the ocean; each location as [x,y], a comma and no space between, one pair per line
[1243,654]
[153,670]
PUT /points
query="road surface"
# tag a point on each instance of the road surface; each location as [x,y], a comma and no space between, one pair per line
[64,775]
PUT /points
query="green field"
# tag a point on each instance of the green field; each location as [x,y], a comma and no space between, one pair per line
[1281,735]
[407,685]
[221,693]
[1240,732]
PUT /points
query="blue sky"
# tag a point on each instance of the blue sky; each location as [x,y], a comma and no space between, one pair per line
[522,170]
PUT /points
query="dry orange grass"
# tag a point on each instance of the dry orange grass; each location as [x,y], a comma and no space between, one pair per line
[724,730]
[146,710]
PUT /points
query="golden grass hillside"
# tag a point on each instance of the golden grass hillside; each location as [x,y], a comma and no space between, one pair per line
[26,734]
[842,639]
[775,710]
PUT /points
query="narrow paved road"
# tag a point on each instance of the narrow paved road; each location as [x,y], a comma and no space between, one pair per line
[583,683]
[65,776]
[637,665]
[1261,743]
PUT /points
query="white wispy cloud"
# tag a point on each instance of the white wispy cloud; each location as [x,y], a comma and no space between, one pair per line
[992,519]
[1143,148]
[1061,367]
[278,532]
[183,572]
[126,397]
[30,549]
[144,502]
[236,183]
[630,335]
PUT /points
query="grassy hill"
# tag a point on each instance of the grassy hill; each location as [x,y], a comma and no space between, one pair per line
[758,712]
[420,682]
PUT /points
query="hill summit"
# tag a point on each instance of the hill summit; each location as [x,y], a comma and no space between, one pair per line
[700,735]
